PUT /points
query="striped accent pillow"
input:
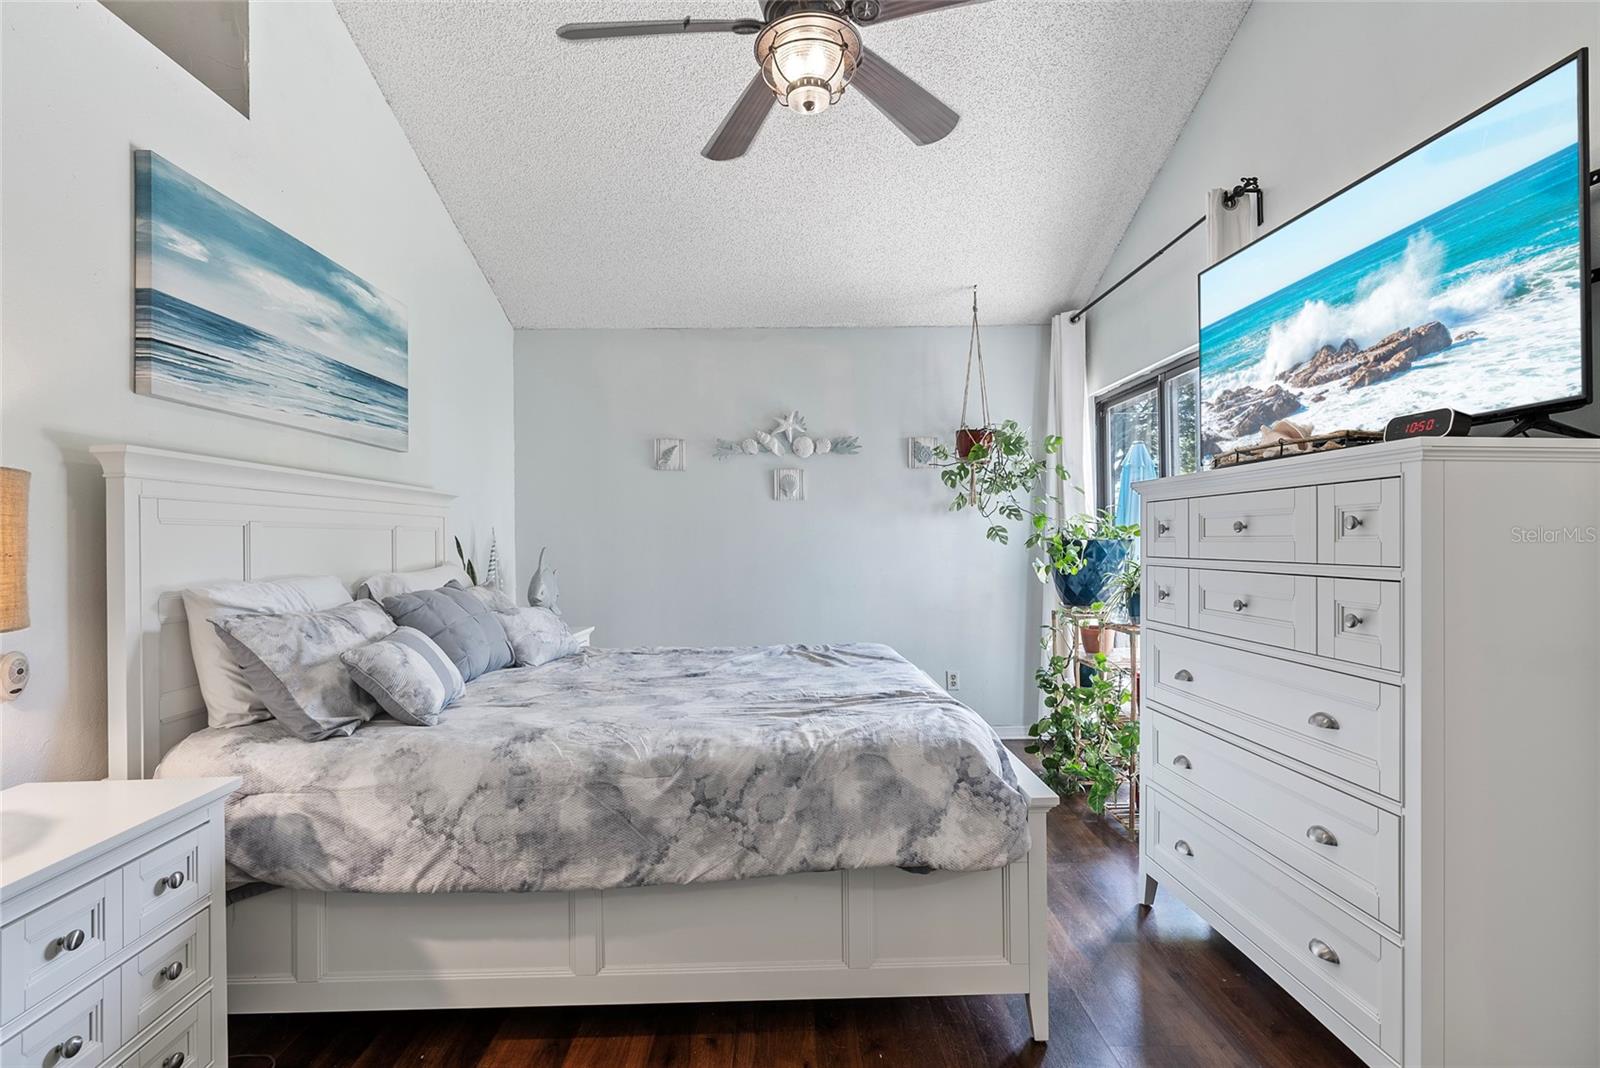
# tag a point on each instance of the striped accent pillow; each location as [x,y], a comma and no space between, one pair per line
[408,675]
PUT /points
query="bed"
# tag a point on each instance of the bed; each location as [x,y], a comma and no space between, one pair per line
[677,758]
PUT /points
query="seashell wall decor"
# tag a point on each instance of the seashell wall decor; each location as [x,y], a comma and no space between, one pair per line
[789,436]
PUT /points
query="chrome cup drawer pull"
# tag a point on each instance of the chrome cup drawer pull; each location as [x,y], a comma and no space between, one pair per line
[1322,951]
[170,882]
[71,940]
[1351,522]
[1184,676]
[70,1048]
[174,1061]
[1351,621]
[1321,835]
[1240,604]
[1181,761]
[171,972]
[1182,847]
[1323,720]
[1240,526]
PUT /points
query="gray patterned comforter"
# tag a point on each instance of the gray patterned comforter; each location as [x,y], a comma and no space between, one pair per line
[627,768]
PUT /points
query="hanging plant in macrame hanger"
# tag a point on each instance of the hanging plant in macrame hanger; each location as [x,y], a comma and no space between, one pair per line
[981,436]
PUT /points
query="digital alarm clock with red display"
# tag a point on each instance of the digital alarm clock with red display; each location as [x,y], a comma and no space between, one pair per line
[1439,423]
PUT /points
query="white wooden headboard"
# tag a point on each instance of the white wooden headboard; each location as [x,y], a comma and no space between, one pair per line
[178,519]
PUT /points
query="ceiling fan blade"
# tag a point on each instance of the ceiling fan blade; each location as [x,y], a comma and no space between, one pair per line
[733,137]
[589,31]
[899,9]
[920,115]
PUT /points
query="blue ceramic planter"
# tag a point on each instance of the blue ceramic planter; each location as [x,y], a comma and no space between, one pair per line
[1133,608]
[1102,559]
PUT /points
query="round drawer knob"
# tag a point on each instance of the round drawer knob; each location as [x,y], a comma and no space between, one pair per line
[1163,526]
[171,972]
[1323,720]
[171,882]
[1351,522]
[174,1061]
[1321,836]
[71,1047]
[1182,847]
[1240,526]
[1240,604]
[71,940]
[1163,592]
[1181,761]
[1322,951]
[1184,676]
[1351,621]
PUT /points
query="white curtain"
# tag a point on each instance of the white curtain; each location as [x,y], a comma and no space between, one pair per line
[1068,411]
[1228,229]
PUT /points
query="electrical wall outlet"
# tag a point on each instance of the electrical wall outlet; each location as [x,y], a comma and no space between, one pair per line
[952,681]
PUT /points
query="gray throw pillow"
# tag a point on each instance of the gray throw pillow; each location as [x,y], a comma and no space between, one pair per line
[537,635]
[291,661]
[408,675]
[460,624]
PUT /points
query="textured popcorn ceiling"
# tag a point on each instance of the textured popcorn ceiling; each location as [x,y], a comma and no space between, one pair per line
[574,170]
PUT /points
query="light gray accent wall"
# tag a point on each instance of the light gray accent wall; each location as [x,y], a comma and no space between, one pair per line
[1310,97]
[707,557]
[208,38]
[323,158]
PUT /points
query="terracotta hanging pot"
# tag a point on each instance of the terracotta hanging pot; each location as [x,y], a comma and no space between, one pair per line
[968,437]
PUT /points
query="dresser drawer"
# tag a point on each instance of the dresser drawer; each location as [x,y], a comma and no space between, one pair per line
[166,972]
[1359,620]
[1276,525]
[1278,610]
[1165,528]
[183,1043]
[81,1032]
[1359,523]
[163,882]
[1346,726]
[1165,597]
[1345,845]
[56,944]
[1352,968]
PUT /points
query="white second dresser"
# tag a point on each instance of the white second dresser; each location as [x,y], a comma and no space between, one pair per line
[112,925]
[1371,737]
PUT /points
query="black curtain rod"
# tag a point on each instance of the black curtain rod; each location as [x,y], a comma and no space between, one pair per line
[1229,200]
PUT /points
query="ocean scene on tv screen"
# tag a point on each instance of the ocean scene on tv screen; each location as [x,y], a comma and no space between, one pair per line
[1453,278]
[232,313]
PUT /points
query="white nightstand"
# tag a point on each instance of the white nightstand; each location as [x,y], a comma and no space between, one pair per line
[583,637]
[112,924]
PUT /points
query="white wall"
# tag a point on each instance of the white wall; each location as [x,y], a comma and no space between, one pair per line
[322,157]
[706,557]
[1309,97]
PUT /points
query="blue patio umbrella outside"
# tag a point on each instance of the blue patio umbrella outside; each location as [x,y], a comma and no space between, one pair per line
[1137,466]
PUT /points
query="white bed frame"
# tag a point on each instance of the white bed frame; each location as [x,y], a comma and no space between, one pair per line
[175,519]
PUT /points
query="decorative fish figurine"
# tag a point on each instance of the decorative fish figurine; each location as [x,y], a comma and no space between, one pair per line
[542,589]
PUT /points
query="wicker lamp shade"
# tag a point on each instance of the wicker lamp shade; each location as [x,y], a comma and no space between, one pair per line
[13,548]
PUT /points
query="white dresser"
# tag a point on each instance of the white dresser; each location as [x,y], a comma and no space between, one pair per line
[1371,737]
[112,926]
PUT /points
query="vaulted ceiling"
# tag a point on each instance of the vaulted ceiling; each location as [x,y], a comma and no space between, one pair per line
[573,169]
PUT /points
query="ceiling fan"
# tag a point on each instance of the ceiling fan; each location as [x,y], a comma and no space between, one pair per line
[808,51]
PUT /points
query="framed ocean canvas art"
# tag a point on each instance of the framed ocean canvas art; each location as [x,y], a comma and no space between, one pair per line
[232,313]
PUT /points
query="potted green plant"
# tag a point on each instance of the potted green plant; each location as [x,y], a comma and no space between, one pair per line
[1096,548]
[1086,741]
[1125,589]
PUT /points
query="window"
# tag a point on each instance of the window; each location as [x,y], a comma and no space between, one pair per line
[1148,429]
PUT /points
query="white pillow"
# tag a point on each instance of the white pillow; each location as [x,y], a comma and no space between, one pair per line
[230,702]
[382,586]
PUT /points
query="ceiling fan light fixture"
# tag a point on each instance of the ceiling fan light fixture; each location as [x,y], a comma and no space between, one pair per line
[808,58]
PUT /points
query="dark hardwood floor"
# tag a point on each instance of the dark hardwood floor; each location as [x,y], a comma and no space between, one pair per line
[1127,987]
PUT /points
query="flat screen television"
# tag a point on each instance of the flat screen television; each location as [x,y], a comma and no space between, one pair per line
[1455,276]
